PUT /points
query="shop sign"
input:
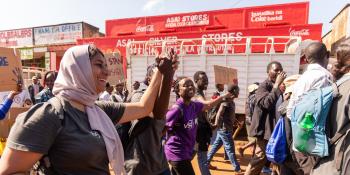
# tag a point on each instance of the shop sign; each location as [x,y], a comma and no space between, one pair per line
[59,34]
[147,28]
[16,38]
[187,20]
[47,60]
[26,53]
[40,49]
[266,16]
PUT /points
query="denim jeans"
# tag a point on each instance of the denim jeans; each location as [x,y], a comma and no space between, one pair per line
[212,140]
[203,163]
[224,138]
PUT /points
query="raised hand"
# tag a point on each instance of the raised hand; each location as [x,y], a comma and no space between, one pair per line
[17,72]
[167,64]
[15,92]
[280,78]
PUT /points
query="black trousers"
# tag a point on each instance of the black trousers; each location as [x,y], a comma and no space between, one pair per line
[183,167]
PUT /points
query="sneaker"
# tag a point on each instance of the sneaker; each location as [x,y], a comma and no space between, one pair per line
[266,170]
[212,167]
[238,170]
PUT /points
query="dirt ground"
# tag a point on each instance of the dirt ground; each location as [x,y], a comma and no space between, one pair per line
[224,166]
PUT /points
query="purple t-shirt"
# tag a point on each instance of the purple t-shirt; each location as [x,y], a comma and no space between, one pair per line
[181,142]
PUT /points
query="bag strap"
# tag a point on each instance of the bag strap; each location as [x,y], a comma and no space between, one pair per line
[178,107]
[44,164]
[339,134]
[57,104]
[338,83]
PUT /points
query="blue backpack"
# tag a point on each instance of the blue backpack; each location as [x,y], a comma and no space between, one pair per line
[276,148]
[317,103]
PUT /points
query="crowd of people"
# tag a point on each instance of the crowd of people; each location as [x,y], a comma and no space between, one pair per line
[81,124]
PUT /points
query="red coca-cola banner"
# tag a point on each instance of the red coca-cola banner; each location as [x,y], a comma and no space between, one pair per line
[114,44]
[309,31]
[238,18]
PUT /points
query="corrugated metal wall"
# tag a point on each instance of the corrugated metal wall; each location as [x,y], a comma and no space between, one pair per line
[250,68]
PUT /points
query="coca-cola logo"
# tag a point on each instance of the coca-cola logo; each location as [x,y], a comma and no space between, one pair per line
[148,28]
[302,32]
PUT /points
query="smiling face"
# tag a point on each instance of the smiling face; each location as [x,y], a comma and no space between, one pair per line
[202,82]
[35,80]
[186,89]
[99,71]
[119,88]
[50,80]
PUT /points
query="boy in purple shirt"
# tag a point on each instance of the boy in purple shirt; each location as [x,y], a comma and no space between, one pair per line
[182,128]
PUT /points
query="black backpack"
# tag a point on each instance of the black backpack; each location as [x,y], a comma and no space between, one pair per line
[250,104]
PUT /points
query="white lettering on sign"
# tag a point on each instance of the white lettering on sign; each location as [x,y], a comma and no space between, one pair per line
[302,32]
[187,20]
[148,28]
[65,33]
[123,42]
[164,38]
[20,37]
[266,16]
[220,37]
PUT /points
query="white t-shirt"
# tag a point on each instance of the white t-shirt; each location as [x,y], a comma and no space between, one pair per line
[314,77]
[36,89]
[105,96]
[19,99]
[118,97]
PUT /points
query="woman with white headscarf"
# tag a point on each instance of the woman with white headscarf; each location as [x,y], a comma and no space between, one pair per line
[84,140]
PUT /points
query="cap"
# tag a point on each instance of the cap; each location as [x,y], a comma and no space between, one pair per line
[252,88]
[34,77]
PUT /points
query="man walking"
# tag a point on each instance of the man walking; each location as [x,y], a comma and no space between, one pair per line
[204,132]
[264,115]
[316,76]
[34,88]
[224,121]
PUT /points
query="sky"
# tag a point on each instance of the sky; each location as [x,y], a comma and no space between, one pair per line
[31,13]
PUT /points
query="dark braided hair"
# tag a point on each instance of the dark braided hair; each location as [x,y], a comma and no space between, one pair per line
[176,87]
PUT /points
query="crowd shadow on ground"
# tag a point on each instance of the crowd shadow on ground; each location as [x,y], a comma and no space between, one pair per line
[224,167]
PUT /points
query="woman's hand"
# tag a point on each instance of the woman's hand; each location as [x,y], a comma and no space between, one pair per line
[17,91]
[167,65]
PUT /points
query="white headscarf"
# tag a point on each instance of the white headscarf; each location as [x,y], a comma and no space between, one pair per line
[75,82]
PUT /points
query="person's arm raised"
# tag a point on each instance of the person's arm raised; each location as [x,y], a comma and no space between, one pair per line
[211,103]
[145,106]
[162,101]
